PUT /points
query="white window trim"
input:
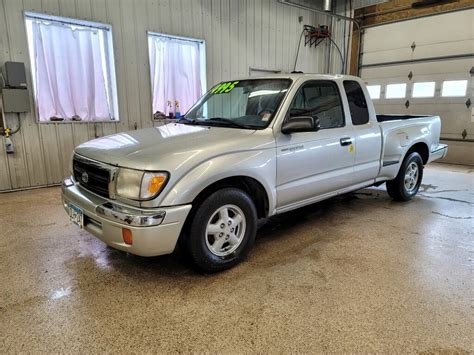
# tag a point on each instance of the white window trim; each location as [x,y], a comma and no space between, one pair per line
[110,61]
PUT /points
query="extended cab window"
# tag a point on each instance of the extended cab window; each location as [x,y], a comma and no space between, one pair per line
[319,99]
[357,102]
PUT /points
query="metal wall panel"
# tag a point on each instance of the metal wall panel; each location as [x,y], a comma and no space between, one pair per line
[239,34]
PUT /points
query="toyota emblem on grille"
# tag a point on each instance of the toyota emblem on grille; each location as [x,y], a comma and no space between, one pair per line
[85,177]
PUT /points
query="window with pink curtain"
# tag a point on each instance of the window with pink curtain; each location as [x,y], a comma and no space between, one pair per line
[177,69]
[71,69]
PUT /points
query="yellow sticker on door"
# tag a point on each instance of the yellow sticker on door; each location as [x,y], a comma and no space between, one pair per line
[351,148]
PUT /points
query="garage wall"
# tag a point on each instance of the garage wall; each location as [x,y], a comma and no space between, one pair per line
[437,55]
[239,34]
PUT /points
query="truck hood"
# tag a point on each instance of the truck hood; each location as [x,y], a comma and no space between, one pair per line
[169,146]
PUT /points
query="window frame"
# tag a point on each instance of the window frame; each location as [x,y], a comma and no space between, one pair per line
[332,82]
[109,61]
[202,54]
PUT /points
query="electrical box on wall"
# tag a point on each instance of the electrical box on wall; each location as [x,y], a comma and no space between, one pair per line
[16,100]
[14,92]
[14,74]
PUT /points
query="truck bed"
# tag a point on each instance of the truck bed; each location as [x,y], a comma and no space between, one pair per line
[384,118]
[399,132]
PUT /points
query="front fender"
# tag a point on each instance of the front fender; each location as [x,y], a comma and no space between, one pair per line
[257,164]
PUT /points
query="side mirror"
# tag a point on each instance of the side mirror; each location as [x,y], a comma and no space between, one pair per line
[300,124]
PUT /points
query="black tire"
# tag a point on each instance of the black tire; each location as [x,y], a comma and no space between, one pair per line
[397,188]
[195,244]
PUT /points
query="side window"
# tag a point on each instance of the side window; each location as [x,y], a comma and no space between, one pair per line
[319,99]
[177,72]
[357,102]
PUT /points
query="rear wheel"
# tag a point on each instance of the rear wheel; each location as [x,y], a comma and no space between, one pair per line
[222,230]
[407,183]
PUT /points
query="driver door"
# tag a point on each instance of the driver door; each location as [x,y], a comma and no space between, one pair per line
[312,165]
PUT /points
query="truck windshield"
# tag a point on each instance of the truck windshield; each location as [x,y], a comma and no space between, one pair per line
[249,104]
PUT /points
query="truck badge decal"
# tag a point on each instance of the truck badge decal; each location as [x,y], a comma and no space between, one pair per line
[85,177]
[292,149]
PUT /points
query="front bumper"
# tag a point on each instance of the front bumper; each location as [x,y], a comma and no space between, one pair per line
[155,231]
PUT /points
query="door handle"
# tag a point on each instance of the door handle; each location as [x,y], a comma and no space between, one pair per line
[345,141]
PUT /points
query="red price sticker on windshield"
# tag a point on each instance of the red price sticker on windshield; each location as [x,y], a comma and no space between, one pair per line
[223,88]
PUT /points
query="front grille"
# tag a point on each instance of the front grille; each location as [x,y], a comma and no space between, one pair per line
[91,176]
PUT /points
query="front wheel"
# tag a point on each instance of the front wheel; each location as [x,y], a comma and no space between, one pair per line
[222,230]
[407,183]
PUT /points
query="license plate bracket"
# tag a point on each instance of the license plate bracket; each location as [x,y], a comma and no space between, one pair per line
[75,215]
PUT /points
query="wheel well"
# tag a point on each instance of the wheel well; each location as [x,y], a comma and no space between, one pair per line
[251,186]
[422,149]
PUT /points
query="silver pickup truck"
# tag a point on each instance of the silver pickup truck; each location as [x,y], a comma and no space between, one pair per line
[248,149]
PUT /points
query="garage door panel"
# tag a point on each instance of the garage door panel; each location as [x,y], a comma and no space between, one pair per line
[459,152]
[453,120]
[444,28]
[390,55]
[443,49]
[422,52]
[438,70]
[434,36]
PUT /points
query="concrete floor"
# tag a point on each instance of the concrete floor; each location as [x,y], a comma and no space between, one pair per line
[356,273]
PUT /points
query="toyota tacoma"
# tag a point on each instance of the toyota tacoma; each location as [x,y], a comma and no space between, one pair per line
[248,149]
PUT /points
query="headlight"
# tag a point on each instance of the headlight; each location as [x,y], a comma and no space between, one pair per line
[140,185]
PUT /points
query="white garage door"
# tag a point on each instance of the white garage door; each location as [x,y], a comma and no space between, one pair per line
[423,66]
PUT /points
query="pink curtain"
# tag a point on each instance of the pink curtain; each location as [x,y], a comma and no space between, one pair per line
[70,72]
[175,67]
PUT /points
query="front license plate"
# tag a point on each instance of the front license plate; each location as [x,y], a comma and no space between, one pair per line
[75,215]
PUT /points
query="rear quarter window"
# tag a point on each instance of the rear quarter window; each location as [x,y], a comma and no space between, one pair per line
[357,102]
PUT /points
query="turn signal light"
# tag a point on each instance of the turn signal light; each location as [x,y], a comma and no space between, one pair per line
[127,236]
[155,184]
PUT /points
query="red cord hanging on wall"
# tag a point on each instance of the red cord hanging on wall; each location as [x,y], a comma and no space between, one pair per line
[313,34]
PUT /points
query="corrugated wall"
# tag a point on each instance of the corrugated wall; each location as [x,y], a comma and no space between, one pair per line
[341,31]
[239,34]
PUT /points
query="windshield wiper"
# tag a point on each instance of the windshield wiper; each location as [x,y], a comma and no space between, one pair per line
[229,122]
[187,120]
